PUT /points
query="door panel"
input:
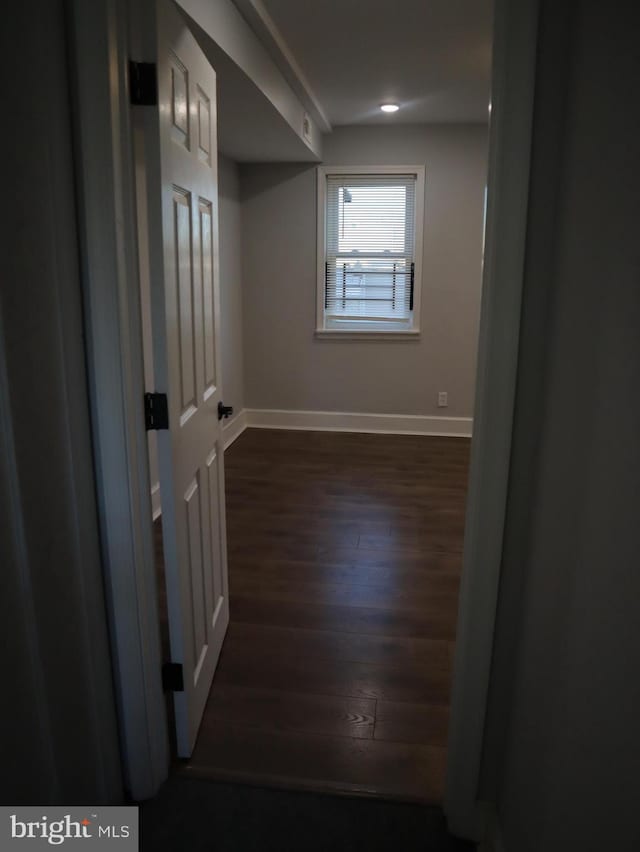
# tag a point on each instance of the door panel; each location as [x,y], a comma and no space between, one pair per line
[204,126]
[209,335]
[186,306]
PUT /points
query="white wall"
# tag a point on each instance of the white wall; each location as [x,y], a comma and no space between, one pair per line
[563,747]
[231,283]
[285,366]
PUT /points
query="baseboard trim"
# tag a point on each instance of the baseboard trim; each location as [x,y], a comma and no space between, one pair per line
[234,428]
[156,506]
[340,421]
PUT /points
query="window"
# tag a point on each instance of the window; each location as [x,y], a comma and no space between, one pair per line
[369,250]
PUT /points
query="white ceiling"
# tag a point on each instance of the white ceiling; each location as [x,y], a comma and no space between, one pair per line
[433,57]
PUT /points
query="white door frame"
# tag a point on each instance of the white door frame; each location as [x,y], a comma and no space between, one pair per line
[101,50]
[513,89]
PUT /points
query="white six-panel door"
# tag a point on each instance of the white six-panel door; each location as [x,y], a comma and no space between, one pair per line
[186,330]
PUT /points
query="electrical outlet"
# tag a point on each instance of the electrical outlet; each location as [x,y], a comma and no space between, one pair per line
[443,399]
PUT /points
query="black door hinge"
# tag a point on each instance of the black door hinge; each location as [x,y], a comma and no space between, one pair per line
[172,677]
[156,411]
[143,83]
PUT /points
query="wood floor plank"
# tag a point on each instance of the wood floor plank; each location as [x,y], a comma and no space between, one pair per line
[311,645]
[292,547]
[436,624]
[422,580]
[306,522]
[408,682]
[291,759]
[434,592]
[271,539]
[273,710]
[416,542]
[404,722]
[392,560]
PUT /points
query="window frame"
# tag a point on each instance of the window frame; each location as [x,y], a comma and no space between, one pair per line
[352,331]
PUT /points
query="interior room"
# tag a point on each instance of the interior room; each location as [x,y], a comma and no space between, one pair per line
[346,453]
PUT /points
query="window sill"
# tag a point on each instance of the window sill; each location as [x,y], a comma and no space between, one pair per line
[338,334]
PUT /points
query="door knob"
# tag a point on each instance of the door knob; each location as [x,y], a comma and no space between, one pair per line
[224,410]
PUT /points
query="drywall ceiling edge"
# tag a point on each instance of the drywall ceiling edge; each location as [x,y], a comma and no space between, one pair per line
[226,27]
[257,17]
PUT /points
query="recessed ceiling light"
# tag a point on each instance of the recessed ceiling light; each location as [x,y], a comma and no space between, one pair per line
[389,107]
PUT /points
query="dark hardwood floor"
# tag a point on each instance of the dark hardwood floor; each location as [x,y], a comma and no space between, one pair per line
[344,566]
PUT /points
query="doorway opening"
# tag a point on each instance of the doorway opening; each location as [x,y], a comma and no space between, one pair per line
[344,548]
[496,371]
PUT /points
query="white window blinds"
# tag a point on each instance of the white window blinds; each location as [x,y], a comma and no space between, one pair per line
[370,238]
